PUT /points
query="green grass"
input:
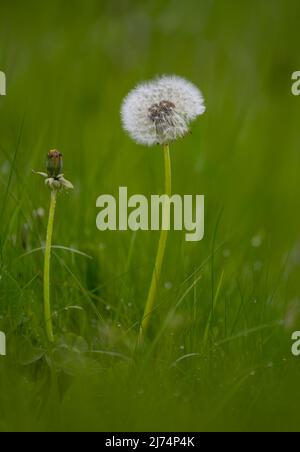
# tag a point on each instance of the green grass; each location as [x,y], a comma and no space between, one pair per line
[218,355]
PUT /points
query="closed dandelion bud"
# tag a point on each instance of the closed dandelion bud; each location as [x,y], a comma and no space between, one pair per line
[54,163]
[54,179]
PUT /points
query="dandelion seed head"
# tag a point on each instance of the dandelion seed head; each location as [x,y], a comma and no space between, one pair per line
[160,111]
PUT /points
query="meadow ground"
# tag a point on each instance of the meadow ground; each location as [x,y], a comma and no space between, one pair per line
[218,355]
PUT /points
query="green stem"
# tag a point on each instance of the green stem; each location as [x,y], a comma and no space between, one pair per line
[160,252]
[47,306]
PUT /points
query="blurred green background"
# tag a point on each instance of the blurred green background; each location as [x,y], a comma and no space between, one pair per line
[218,356]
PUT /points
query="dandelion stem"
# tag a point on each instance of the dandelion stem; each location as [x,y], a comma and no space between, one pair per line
[47,306]
[160,252]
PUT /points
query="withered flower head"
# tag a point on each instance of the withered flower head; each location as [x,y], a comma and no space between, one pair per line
[54,163]
[54,178]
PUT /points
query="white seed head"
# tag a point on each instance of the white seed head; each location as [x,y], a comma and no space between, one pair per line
[160,111]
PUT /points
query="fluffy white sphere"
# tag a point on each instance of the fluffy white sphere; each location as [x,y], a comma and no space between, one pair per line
[160,111]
